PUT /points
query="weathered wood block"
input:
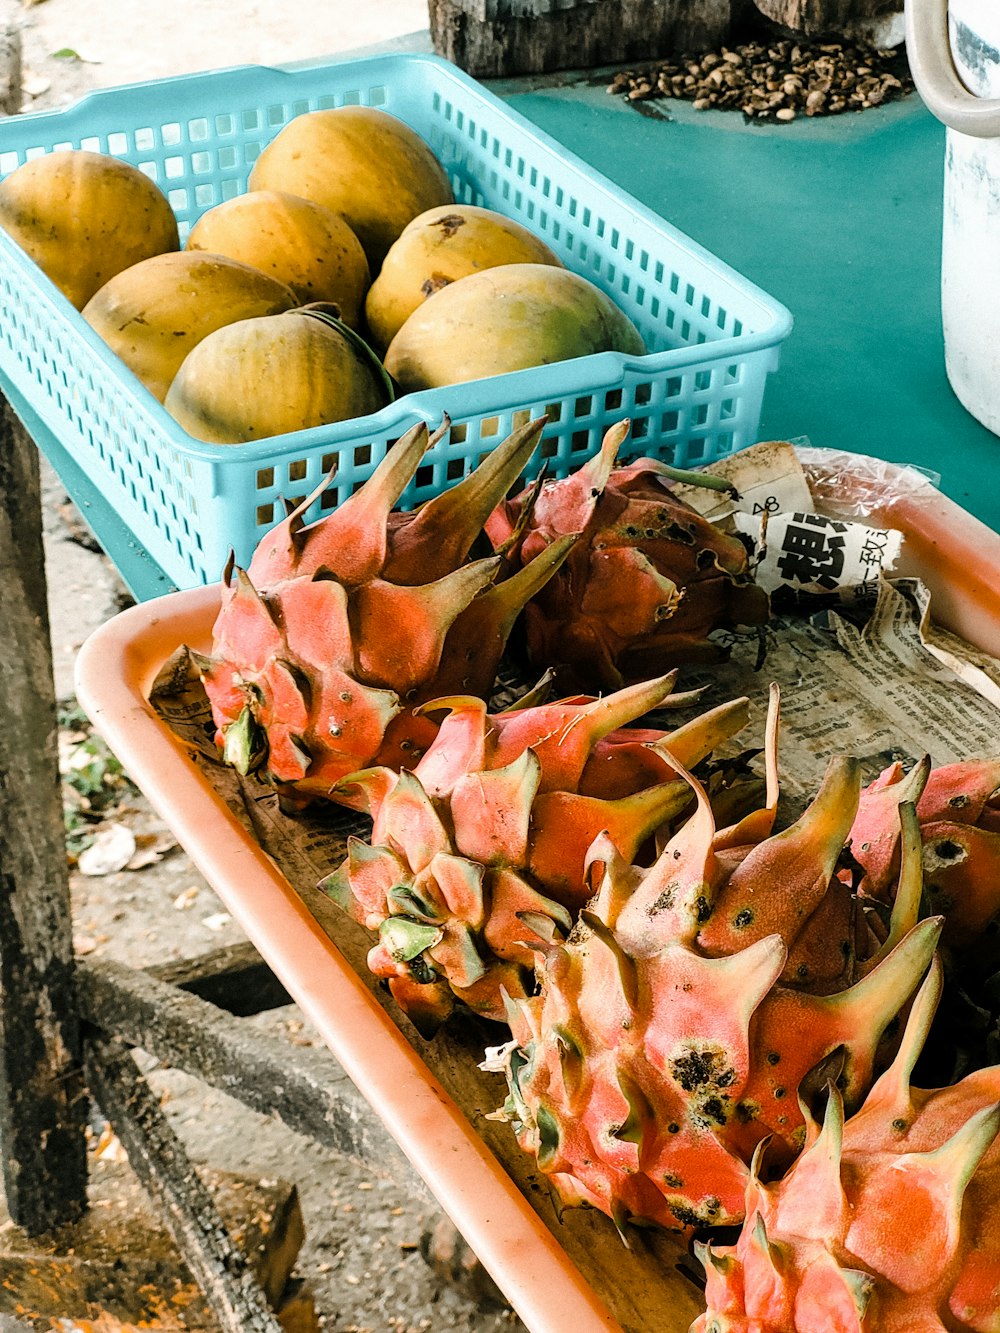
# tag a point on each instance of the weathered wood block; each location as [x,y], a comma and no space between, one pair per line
[833,17]
[494,38]
[43,1108]
[297,1311]
[118,1269]
[10,66]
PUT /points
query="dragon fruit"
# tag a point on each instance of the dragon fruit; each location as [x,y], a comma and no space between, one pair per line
[958,813]
[958,807]
[644,586]
[694,999]
[338,629]
[884,1224]
[478,856]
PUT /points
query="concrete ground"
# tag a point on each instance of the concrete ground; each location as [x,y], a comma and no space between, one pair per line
[112,42]
[360,1256]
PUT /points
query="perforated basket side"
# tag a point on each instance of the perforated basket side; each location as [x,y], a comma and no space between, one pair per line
[104,419]
[696,396]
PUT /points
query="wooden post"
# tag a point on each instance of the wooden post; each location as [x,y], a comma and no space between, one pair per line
[158,1158]
[43,1105]
[495,38]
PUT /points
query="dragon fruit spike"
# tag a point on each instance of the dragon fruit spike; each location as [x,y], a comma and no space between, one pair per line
[480,632]
[875,833]
[628,757]
[886,1221]
[758,825]
[539,693]
[563,734]
[439,534]
[891,1098]
[619,765]
[479,856]
[798,867]
[567,824]
[358,539]
[428,610]
[853,1020]
[909,894]
[689,744]
[578,494]
[338,629]
[958,809]
[353,537]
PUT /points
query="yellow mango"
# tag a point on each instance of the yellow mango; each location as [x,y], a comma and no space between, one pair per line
[263,377]
[506,319]
[83,217]
[155,312]
[304,245]
[362,163]
[438,247]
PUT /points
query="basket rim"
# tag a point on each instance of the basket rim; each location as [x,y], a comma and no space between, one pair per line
[579,376]
[507,390]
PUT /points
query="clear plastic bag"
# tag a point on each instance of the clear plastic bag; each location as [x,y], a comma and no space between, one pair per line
[875,483]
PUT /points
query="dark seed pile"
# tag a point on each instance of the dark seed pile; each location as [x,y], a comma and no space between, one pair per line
[779,80]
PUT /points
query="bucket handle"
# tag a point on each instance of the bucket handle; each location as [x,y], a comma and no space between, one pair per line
[929,52]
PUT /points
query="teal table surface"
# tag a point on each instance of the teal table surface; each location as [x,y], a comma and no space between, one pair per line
[840,219]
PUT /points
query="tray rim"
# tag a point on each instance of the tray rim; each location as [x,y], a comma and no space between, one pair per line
[521,1254]
[953,551]
[186,501]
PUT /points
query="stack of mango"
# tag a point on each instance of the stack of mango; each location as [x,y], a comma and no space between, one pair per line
[347,230]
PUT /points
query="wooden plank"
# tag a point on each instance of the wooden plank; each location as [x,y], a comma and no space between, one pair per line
[305,1086]
[119,1263]
[507,38]
[826,17]
[234,978]
[43,1107]
[158,1158]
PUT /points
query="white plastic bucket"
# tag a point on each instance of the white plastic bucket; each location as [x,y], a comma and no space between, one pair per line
[954,54]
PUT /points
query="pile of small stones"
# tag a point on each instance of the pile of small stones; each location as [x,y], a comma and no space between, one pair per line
[778,80]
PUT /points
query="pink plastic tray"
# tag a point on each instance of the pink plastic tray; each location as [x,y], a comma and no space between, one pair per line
[954,553]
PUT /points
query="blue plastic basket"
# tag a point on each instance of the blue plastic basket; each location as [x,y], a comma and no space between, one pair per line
[695,397]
